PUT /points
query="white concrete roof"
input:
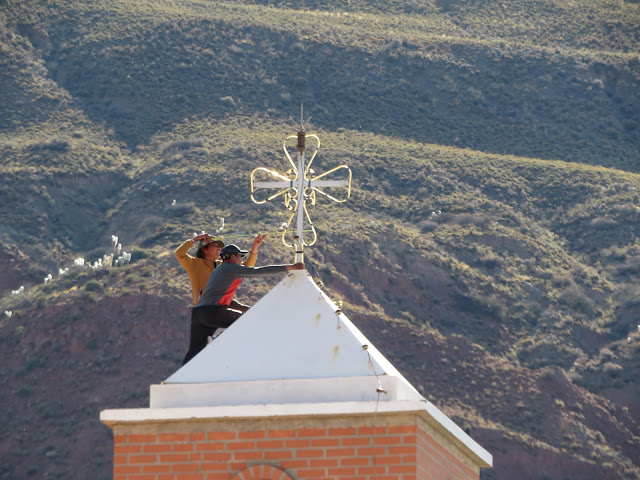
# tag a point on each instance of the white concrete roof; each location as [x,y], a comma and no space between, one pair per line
[293,332]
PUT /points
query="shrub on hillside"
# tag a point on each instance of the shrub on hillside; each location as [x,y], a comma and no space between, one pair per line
[55,144]
[182,209]
[92,286]
[183,144]
[612,369]
[603,223]
[228,101]
[577,299]
[139,254]
[491,261]
[487,304]
[545,352]
[426,226]
[630,267]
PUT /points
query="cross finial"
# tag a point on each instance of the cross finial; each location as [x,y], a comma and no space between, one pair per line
[299,185]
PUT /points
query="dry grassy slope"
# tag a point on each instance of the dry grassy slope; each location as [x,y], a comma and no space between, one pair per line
[451,278]
[78,354]
[525,283]
[442,84]
[464,273]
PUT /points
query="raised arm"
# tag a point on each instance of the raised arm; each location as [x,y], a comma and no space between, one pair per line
[182,252]
[253,253]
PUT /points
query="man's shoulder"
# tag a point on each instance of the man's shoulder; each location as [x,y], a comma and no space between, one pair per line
[223,266]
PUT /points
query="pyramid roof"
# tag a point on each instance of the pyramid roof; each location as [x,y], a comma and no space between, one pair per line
[294,345]
[293,332]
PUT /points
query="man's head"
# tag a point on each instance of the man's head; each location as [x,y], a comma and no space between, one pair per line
[210,251]
[232,253]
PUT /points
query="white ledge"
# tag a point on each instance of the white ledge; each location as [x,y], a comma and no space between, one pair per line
[289,391]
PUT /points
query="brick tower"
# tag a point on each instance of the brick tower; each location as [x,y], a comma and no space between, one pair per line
[291,391]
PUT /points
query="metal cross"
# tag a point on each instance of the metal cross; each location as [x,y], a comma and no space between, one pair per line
[298,187]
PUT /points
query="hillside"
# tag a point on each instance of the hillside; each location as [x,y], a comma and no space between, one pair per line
[489,249]
[444,75]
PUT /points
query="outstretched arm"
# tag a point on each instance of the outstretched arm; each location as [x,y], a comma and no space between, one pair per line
[242,271]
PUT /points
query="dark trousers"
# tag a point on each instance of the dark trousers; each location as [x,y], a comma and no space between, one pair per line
[206,320]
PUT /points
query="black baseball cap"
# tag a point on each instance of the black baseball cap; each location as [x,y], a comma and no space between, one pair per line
[230,250]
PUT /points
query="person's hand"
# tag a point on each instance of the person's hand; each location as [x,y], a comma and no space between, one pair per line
[259,239]
[205,237]
[257,242]
[296,266]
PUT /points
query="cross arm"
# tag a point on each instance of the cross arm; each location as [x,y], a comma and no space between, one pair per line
[284,183]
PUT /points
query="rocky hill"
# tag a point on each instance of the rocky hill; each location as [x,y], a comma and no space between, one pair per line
[489,249]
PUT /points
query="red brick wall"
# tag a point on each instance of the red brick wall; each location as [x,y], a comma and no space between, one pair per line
[435,461]
[319,451]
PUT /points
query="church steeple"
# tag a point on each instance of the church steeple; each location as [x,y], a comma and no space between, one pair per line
[291,390]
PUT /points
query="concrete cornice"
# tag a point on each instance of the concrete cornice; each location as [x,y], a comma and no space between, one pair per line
[421,408]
